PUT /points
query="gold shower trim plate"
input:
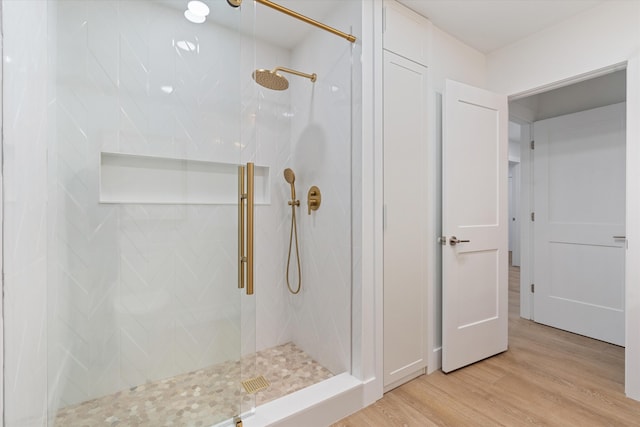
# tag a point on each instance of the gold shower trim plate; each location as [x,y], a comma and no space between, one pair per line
[254,385]
[314,199]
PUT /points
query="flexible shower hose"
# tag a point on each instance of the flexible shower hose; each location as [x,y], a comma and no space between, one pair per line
[294,230]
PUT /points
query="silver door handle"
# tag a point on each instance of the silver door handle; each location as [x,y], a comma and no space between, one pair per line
[453,240]
[619,237]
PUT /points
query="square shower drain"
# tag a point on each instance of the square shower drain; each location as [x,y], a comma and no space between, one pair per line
[256,384]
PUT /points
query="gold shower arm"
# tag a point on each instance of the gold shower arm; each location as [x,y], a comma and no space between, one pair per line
[311,77]
[306,19]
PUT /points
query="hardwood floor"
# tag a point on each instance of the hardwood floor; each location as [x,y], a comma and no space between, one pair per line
[548,377]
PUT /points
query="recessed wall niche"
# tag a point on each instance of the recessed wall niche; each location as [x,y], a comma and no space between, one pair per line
[131,178]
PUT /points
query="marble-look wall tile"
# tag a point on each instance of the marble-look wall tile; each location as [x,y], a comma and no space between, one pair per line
[321,148]
[100,297]
[26,83]
[156,281]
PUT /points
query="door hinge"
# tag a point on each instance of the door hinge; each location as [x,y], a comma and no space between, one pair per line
[533,288]
[533,216]
[532,144]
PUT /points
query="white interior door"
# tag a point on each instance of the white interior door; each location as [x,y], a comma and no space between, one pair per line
[579,228]
[474,210]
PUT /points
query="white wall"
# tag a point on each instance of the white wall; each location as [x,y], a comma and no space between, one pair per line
[451,59]
[368,364]
[600,38]
[597,38]
[1,253]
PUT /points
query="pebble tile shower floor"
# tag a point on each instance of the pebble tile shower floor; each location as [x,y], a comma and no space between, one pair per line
[199,398]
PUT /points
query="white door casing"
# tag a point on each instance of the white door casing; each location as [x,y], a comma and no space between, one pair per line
[512,213]
[579,202]
[475,273]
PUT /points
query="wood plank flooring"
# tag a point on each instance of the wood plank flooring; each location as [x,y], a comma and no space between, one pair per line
[548,377]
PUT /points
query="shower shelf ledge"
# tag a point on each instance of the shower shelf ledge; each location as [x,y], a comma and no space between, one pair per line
[141,179]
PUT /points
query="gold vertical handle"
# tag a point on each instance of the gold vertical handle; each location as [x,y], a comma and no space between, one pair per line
[250,217]
[245,258]
[241,196]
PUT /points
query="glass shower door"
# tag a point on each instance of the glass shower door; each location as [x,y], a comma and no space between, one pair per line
[144,310]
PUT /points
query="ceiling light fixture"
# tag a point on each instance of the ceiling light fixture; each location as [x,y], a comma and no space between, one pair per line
[198,8]
[196,12]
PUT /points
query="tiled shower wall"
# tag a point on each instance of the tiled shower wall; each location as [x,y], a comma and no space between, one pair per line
[319,150]
[321,153]
[25,83]
[138,292]
[129,293]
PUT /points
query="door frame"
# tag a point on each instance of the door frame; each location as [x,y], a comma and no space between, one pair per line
[632,270]
[514,197]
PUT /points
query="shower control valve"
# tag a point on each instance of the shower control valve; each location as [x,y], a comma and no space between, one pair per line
[314,199]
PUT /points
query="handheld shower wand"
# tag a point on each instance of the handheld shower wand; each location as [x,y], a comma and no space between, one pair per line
[290,177]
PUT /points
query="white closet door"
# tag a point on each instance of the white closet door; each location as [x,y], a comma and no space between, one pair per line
[405,186]
[474,211]
[579,228]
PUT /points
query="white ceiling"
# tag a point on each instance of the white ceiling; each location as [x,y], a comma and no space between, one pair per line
[487,25]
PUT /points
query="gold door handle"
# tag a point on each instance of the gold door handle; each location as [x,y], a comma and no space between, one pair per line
[241,198]
[250,206]
[245,252]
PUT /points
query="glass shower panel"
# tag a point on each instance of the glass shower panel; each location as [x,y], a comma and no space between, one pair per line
[143,308]
[303,338]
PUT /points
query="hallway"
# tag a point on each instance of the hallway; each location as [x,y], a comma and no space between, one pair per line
[547,377]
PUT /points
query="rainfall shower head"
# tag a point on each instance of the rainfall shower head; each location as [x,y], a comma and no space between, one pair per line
[290,177]
[271,79]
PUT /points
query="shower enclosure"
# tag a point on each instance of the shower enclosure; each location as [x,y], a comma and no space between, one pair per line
[125,124]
